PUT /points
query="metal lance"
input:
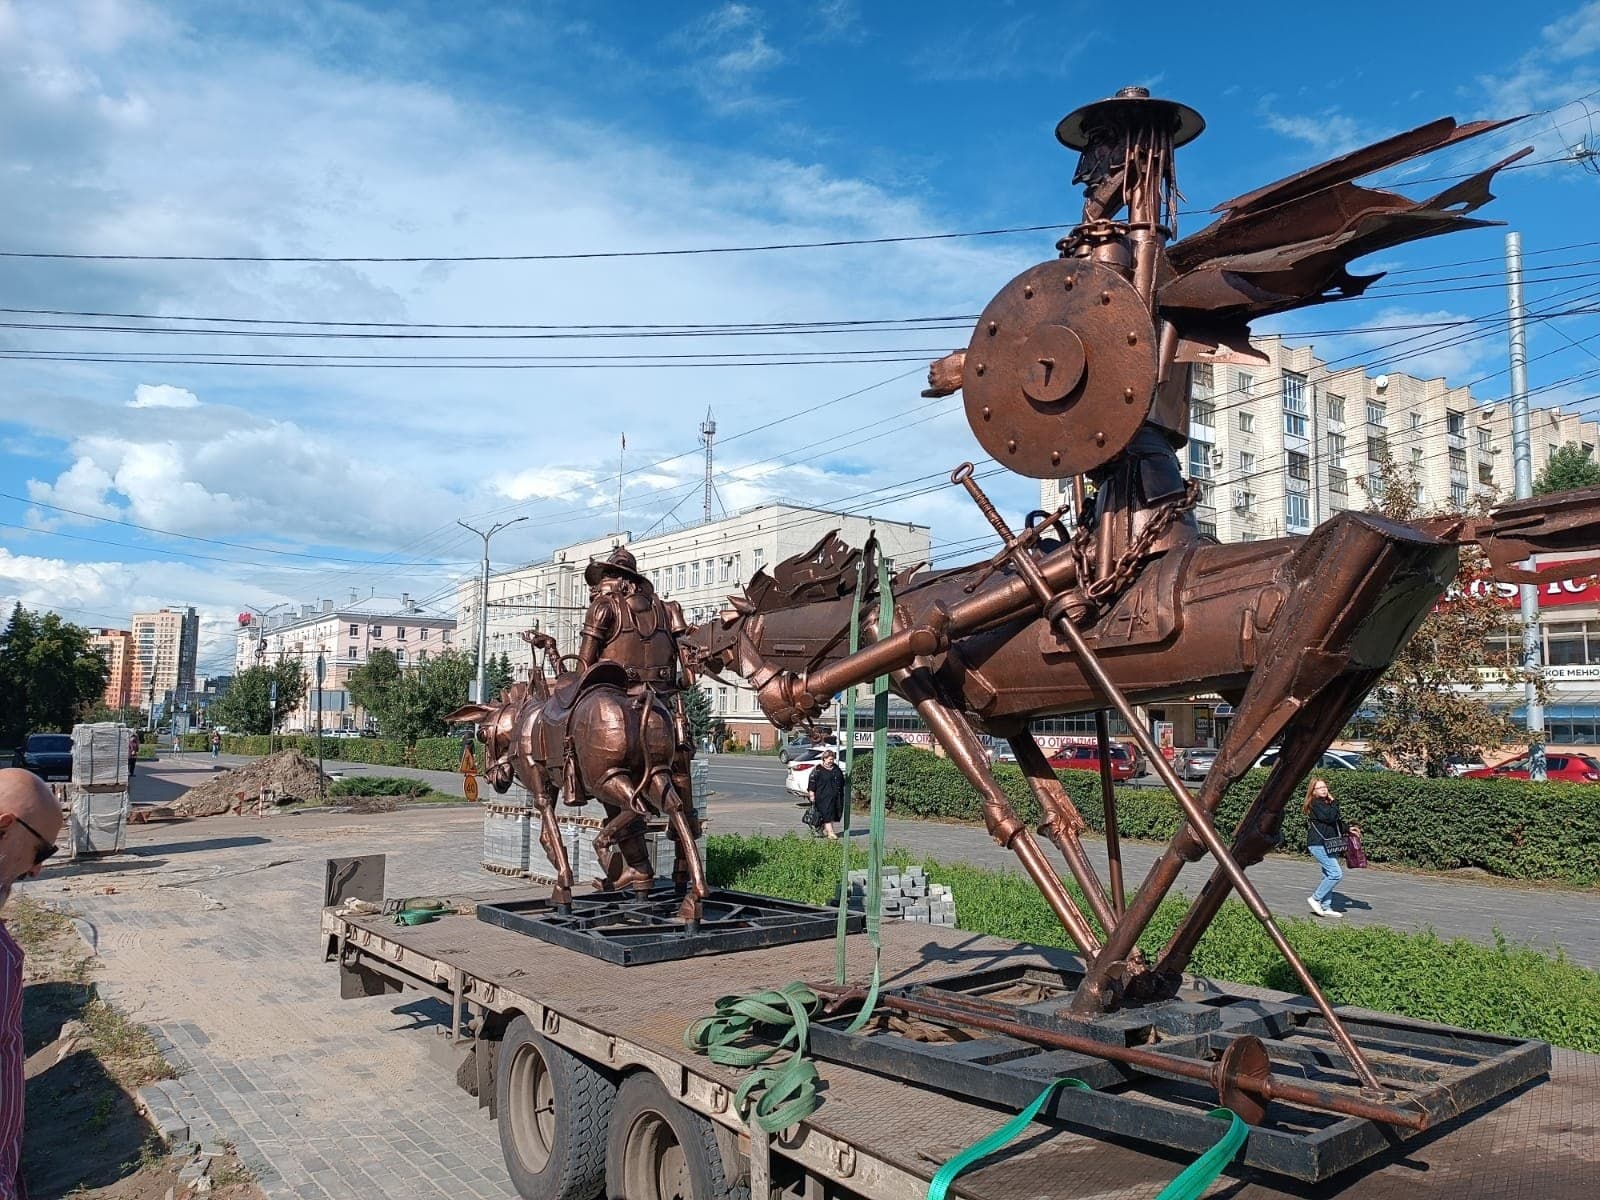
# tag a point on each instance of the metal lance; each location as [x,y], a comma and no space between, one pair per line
[1199,819]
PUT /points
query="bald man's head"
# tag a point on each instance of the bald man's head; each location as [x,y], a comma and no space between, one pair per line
[30,822]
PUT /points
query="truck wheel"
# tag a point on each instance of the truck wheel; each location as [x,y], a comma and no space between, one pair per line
[659,1150]
[553,1111]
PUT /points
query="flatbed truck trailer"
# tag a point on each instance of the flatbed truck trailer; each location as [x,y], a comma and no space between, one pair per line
[583,1065]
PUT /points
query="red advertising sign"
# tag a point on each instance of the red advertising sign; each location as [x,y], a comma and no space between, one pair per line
[1556,594]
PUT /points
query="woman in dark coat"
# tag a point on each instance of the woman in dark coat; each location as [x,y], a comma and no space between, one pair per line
[1325,838]
[826,785]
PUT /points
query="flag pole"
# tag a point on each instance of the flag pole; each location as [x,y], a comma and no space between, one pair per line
[620,454]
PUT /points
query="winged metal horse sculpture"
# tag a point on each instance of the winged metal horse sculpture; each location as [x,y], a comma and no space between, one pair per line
[1079,368]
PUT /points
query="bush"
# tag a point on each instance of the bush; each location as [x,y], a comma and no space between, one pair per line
[1507,827]
[433,754]
[1505,988]
[378,785]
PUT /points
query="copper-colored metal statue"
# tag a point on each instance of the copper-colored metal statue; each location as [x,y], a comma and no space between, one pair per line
[1080,368]
[611,727]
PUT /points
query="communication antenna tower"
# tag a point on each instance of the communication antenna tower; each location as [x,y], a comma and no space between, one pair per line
[708,433]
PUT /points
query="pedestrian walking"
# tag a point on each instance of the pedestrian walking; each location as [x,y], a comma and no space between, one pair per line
[826,785]
[216,744]
[30,821]
[1326,836]
[133,750]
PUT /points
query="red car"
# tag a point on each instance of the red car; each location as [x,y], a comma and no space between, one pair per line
[1561,768]
[1087,758]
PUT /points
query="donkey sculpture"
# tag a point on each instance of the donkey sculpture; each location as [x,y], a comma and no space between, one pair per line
[581,737]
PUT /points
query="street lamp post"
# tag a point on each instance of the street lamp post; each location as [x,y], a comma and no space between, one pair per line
[321,669]
[483,606]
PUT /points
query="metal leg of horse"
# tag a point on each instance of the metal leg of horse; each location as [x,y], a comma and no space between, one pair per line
[956,736]
[1108,800]
[1062,824]
[685,826]
[550,838]
[1303,743]
[1200,826]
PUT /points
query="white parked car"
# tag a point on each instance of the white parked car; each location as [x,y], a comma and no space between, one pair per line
[800,765]
[1332,760]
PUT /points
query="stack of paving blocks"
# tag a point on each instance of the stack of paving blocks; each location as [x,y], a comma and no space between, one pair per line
[97,797]
[907,896]
[511,839]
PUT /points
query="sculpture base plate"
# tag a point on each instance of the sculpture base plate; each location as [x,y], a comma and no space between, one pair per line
[1446,1072]
[621,928]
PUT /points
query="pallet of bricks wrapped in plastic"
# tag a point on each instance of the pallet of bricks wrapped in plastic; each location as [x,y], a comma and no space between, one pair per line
[97,797]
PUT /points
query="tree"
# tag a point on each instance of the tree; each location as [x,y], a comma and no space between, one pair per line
[411,702]
[247,706]
[134,718]
[697,707]
[497,675]
[1430,702]
[49,674]
[370,683]
[1570,467]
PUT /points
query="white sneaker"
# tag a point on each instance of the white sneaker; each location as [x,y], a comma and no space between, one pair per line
[1316,908]
[1329,910]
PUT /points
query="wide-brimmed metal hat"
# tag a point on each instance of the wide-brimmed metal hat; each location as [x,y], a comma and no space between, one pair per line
[620,561]
[1128,105]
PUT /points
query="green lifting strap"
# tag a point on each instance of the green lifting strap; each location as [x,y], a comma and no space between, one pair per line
[840,965]
[1190,1185]
[880,787]
[774,1095]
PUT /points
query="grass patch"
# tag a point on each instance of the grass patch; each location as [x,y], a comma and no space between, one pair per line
[379,785]
[33,925]
[125,1049]
[1506,988]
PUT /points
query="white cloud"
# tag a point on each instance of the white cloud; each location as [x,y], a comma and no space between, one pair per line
[163,395]
[1329,132]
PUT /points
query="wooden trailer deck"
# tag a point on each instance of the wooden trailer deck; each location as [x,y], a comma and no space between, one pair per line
[883,1138]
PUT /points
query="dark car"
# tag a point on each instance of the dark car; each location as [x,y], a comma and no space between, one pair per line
[47,755]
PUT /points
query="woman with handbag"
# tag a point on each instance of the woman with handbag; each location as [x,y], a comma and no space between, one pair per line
[826,785]
[1326,839]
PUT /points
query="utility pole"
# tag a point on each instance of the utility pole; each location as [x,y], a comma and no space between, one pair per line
[1522,465]
[321,671]
[708,433]
[483,594]
[621,454]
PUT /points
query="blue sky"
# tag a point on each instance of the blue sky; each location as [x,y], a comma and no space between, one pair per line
[344,129]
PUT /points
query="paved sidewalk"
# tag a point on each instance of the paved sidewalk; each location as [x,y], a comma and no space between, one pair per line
[207,931]
[748,797]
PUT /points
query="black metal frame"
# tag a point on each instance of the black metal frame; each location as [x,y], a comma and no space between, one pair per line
[1447,1072]
[623,929]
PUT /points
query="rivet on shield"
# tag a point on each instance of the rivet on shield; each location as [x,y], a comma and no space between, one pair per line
[979,368]
[1105,297]
[994,328]
[989,412]
[1099,440]
[1027,293]
[1055,456]
[1133,338]
[1069,281]
[1127,395]
[1012,445]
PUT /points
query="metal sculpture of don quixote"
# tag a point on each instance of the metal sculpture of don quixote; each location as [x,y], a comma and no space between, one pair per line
[1080,369]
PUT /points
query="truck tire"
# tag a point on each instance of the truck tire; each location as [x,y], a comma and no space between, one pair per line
[659,1150]
[553,1109]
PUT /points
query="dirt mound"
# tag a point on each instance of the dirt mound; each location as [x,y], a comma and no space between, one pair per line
[290,774]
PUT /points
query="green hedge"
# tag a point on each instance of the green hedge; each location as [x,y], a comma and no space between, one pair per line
[1507,827]
[1505,988]
[432,754]
[378,785]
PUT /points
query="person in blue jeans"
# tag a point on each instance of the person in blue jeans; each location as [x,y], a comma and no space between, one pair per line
[1325,838]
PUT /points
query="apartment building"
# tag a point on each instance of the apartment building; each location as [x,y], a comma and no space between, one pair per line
[1282,445]
[345,635]
[117,647]
[698,567]
[166,646]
